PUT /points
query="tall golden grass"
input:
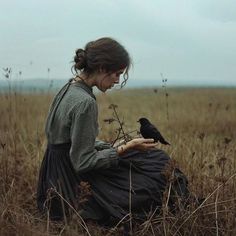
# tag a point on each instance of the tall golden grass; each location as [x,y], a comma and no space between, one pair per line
[201,128]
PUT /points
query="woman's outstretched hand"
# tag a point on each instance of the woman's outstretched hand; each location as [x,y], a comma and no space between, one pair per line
[140,144]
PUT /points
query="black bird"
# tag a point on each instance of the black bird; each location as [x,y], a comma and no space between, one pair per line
[148,130]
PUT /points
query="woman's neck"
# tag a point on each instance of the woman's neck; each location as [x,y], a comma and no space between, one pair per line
[89,80]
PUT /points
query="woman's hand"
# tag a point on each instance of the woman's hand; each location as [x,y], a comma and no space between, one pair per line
[140,144]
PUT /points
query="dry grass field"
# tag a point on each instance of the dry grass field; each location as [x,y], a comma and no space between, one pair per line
[200,124]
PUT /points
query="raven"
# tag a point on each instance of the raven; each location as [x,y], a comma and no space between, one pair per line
[148,130]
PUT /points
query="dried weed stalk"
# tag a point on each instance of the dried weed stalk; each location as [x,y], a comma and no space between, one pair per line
[121,134]
[164,85]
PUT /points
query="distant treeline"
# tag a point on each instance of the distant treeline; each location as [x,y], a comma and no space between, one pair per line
[31,86]
[53,85]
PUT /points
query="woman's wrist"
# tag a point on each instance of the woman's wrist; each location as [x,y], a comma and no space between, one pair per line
[123,148]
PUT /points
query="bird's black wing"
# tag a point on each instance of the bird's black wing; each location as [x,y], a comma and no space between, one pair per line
[150,131]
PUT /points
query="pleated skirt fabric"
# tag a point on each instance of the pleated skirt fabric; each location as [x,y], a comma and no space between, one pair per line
[58,184]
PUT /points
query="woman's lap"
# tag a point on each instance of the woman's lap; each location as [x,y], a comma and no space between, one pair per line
[137,184]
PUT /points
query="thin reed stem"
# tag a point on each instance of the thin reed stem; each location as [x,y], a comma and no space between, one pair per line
[216,211]
[130,199]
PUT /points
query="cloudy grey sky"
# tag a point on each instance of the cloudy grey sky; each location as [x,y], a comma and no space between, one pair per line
[188,41]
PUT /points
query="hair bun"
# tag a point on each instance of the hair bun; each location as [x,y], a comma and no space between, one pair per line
[80,59]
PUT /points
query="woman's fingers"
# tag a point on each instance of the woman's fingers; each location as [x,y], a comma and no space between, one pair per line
[143,140]
[148,140]
[142,143]
[150,144]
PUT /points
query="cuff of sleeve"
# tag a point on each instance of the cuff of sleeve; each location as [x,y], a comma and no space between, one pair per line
[101,145]
[110,157]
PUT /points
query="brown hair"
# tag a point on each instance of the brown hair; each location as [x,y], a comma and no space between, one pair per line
[104,53]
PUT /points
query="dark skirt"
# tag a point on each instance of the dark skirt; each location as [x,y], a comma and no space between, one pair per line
[134,188]
[58,184]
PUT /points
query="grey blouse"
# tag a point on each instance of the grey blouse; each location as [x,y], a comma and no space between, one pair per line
[73,118]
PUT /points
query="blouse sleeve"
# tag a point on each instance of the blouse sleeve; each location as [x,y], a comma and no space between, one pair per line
[84,156]
[101,145]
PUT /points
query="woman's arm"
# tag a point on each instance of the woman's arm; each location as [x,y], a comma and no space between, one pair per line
[84,130]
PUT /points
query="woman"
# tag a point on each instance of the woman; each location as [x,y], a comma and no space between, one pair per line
[73,154]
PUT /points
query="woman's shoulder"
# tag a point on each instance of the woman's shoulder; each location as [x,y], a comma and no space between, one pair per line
[81,102]
[74,100]
[80,94]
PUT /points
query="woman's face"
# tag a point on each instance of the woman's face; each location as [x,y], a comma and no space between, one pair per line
[108,80]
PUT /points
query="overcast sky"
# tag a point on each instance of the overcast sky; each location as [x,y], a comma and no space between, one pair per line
[191,41]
